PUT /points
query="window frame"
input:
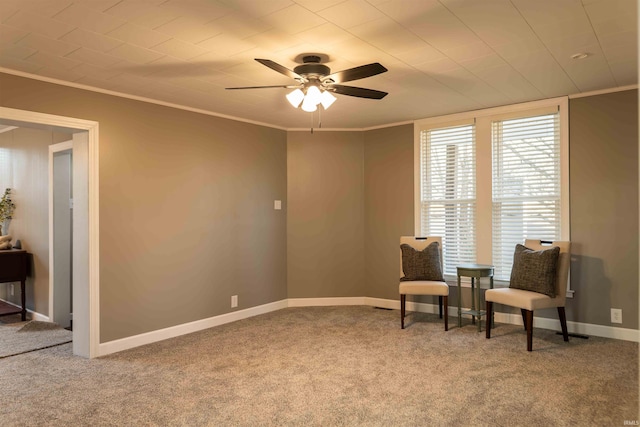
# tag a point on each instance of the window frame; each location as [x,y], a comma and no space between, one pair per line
[483,123]
[424,176]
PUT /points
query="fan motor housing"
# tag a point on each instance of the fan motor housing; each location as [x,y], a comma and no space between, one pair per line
[312,70]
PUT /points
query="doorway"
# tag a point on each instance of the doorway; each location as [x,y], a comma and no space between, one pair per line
[85,226]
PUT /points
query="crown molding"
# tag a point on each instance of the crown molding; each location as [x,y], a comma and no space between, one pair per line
[134,97]
[603,91]
[254,122]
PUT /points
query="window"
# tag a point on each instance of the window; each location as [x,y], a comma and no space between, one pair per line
[526,185]
[449,192]
[489,179]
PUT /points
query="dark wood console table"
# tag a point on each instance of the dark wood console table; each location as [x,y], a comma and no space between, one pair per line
[14,267]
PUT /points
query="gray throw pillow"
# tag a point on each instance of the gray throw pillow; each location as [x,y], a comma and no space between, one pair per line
[535,270]
[421,265]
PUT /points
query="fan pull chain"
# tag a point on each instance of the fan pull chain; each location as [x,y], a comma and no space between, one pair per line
[319,118]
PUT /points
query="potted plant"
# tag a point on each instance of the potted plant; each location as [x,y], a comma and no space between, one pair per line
[7,207]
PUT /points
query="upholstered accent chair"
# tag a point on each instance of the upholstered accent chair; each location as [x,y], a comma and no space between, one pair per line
[531,265]
[421,273]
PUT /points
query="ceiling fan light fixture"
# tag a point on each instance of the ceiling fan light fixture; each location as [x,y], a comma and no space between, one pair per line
[308,105]
[313,95]
[316,83]
[311,99]
[295,98]
[326,99]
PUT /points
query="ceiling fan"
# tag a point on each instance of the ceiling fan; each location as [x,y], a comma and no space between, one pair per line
[316,82]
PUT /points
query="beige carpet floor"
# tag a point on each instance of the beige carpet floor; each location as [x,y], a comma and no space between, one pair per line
[331,366]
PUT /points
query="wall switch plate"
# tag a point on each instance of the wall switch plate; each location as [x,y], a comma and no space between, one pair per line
[12,290]
[234,301]
[277,204]
[616,315]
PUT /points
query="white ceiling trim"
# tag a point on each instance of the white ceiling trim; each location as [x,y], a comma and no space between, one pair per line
[603,91]
[133,97]
[185,108]
[388,125]
[4,128]
[240,119]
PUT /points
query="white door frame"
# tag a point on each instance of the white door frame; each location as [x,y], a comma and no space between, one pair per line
[86,241]
[55,148]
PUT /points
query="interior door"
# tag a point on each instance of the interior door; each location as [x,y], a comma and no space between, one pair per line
[62,175]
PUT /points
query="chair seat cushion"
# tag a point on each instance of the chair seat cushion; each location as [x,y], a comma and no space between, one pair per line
[421,265]
[522,299]
[424,287]
[535,270]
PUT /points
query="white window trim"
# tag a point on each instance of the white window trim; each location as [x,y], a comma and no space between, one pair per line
[483,119]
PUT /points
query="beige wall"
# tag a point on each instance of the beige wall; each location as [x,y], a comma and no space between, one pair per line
[325,226]
[24,168]
[186,208]
[604,207]
[388,189]
[187,218]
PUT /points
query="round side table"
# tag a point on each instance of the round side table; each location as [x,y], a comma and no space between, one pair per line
[475,271]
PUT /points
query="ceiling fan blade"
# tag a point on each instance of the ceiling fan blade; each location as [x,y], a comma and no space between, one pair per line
[357,91]
[263,87]
[279,68]
[356,73]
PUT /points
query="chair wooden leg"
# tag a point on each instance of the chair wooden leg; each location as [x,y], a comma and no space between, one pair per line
[403,301]
[445,300]
[563,323]
[440,305]
[489,305]
[524,318]
[529,327]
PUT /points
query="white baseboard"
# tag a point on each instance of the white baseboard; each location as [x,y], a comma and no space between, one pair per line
[411,306]
[34,314]
[186,328]
[613,332]
[198,325]
[516,319]
[323,302]
[37,316]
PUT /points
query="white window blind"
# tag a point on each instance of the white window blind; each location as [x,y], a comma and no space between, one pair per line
[448,191]
[526,185]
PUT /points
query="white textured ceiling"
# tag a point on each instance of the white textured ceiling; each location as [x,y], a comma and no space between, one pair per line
[443,56]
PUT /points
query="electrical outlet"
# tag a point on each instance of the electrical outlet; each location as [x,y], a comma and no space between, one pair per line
[234,301]
[12,290]
[616,315]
